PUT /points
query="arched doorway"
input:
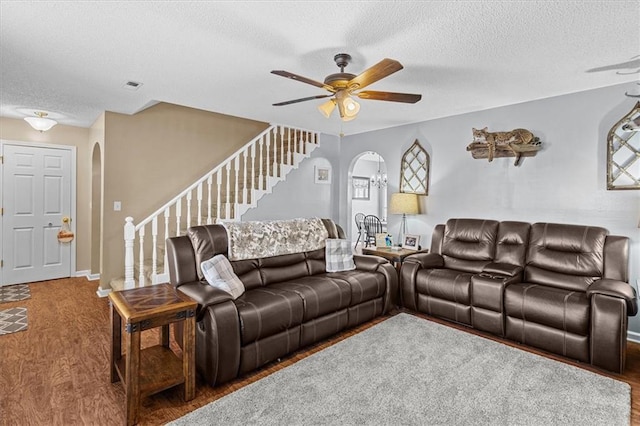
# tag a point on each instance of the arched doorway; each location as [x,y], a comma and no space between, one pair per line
[96,209]
[367,192]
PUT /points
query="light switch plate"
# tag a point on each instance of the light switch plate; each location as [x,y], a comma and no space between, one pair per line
[117,206]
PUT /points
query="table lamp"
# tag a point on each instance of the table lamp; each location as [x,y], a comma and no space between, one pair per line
[404,203]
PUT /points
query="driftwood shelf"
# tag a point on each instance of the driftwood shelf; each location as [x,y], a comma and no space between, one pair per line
[480,150]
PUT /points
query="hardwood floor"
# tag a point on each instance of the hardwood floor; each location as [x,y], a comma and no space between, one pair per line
[57,371]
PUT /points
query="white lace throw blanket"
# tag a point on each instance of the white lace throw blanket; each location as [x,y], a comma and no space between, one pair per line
[258,239]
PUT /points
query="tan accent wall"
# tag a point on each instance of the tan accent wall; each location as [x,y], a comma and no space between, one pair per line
[153,155]
[18,130]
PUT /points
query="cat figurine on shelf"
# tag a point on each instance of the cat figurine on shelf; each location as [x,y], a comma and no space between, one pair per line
[517,140]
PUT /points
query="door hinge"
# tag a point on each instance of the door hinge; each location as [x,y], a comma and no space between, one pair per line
[1,159]
[1,263]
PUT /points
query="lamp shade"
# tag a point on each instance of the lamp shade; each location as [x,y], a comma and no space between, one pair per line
[404,203]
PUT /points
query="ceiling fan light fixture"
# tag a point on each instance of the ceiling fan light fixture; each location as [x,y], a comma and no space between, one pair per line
[40,122]
[347,107]
[351,107]
[327,107]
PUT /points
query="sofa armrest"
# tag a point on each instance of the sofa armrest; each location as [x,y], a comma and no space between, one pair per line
[368,263]
[615,288]
[205,295]
[503,269]
[426,260]
[383,266]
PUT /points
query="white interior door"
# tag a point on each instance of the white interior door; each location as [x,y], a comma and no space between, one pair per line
[36,195]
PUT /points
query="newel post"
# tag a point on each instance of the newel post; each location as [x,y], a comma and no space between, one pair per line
[129,237]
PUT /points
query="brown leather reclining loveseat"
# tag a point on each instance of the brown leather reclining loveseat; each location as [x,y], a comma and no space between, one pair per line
[560,288]
[290,301]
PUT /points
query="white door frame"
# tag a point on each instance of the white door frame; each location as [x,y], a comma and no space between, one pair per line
[73,151]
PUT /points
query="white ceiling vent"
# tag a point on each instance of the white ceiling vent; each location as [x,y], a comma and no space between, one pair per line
[132,85]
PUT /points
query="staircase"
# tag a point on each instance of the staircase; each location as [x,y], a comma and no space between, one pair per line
[224,194]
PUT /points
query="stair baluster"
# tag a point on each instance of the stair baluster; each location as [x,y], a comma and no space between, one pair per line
[265,160]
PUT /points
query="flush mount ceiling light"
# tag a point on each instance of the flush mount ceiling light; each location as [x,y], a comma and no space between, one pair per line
[343,86]
[40,122]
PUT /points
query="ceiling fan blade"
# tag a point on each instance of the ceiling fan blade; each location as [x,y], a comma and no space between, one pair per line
[389,96]
[377,72]
[301,100]
[296,77]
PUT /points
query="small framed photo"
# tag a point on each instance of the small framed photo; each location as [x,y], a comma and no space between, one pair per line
[411,242]
[322,175]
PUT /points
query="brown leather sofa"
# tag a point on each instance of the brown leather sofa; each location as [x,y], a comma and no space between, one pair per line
[290,301]
[561,288]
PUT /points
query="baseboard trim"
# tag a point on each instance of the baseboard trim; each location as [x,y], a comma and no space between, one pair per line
[632,336]
[101,292]
[88,275]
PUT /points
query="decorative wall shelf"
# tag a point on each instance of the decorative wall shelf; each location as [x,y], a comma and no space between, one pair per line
[516,143]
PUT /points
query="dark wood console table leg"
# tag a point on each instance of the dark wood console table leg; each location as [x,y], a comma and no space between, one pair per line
[116,342]
[132,388]
[189,357]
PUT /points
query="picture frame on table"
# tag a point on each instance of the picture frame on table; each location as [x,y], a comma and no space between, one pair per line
[322,175]
[411,241]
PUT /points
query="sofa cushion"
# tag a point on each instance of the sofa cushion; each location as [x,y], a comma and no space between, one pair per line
[512,242]
[364,285]
[207,241]
[444,284]
[470,239]
[320,295]
[266,311]
[283,268]
[567,249]
[338,255]
[219,273]
[554,307]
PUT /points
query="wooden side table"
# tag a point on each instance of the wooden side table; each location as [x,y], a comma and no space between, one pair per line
[151,370]
[396,256]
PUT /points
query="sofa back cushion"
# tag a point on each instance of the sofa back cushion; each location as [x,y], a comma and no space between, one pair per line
[565,256]
[207,241]
[469,244]
[512,242]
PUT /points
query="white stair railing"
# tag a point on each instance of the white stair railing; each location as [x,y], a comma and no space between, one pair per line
[232,188]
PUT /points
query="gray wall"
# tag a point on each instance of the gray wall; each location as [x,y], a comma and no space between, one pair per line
[299,196]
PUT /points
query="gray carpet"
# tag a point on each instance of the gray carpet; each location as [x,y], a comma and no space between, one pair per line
[410,371]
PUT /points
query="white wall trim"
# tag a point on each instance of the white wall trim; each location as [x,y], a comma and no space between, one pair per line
[632,336]
[88,275]
[102,292]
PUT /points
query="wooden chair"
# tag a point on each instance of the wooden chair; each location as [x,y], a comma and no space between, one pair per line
[373,226]
[359,226]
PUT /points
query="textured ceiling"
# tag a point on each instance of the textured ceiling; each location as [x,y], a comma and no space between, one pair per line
[72,58]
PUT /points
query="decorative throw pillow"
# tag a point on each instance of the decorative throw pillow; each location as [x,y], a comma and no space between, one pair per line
[219,273]
[338,255]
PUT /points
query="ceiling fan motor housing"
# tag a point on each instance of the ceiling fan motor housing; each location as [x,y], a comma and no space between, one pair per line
[340,80]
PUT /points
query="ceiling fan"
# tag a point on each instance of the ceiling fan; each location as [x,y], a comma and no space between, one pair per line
[344,85]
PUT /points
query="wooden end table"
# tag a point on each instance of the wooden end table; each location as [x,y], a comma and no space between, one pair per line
[396,256]
[151,370]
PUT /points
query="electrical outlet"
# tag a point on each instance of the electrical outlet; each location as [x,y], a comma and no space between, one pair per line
[117,206]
